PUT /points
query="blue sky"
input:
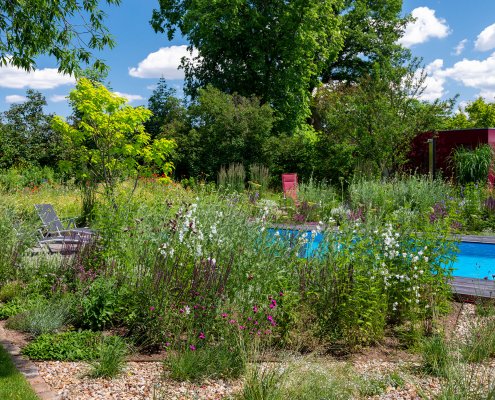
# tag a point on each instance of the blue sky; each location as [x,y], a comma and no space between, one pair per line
[455,38]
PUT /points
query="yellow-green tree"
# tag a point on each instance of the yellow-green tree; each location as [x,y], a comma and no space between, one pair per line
[108,139]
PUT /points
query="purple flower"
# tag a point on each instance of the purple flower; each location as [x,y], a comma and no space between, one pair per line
[273,304]
[201,335]
[255,309]
[192,347]
[152,308]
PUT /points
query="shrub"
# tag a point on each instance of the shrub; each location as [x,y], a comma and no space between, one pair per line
[10,290]
[43,318]
[66,346]
[112,351]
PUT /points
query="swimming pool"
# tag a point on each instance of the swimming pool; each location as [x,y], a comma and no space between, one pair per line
[474,260]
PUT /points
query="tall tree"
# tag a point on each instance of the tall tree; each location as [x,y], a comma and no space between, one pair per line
[372,30]
[477,114]
[378,116]
[169,113]
[65,29]
[273,49]
[26,136]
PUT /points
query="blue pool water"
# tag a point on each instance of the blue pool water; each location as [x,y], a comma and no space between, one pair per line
[474,260]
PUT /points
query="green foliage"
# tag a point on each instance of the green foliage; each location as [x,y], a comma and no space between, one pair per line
[169,114]
[262,384]
[436,356]
[63,29]
[226,129]
[477,114]
[414,194]
[378,116]
[481,343]
[244,48]
[31,177]
[111,360]
[232,178]
[44,318]
[259,177]
[26,135]
[372,33]
[13,385]
[221,361]
[108,140]
[472,165]
[10,290]
[377,273]
[66,346]
[100,304]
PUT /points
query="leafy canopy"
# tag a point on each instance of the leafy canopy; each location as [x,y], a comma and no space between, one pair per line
[108,139]
[477,114]
[65,29]
[26,135]
[272,49]
[372,30]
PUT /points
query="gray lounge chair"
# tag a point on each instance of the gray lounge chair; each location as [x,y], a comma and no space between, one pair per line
[55,235]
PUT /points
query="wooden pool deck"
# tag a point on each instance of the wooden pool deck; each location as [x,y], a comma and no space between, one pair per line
[471,288]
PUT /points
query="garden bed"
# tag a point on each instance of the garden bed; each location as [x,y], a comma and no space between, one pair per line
[384,371]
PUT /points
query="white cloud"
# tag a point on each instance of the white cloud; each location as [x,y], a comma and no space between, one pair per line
[486,39]
[46,78]
[476,74]
[15,98]
[57,98]
[424,27]
[460,47]
[164,62]
[130,97]
[434,81]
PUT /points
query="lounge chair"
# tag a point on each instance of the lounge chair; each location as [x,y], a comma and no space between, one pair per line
[54,229]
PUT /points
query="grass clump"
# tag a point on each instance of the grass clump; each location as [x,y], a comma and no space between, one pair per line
[13,386]
[436,356]
[111,360]
[262,384]
[208,362]
[481,343]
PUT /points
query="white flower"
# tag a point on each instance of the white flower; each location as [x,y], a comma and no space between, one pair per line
[426,259]
[187,309]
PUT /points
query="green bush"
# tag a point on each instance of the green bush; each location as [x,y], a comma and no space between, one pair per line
[43,318]
[66,346]
[10,290]
[112,351]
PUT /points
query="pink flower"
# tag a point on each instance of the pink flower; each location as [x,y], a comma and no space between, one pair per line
[273,304]
[255,309]
[232,321]
[152,308]
[192,347]
[241,327]
[201,335]
[269,318]
[281,294]
[224,315]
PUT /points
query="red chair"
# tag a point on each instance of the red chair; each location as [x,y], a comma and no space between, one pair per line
[289,186]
